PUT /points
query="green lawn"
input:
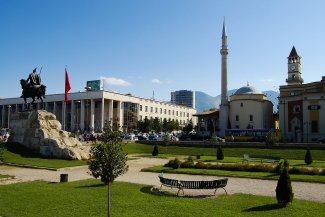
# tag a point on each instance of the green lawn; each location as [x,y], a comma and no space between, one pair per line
[262,175]
[4,176]
[89,198]
[10,157]
[291,154]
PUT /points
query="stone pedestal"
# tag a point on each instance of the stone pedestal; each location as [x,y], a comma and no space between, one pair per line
[39,130]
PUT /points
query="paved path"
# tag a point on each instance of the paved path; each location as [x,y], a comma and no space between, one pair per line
[302,190]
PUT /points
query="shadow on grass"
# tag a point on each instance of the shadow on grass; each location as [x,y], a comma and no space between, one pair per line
[91,186]
[267,207]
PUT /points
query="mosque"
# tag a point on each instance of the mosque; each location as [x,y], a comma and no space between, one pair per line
[248,108]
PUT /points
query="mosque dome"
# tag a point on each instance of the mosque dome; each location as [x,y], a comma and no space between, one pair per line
[248,90]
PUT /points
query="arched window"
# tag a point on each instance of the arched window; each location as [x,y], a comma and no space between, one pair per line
[251,118]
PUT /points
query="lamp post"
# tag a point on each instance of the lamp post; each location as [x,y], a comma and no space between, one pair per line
[307,123]
[9,108]
[87,88]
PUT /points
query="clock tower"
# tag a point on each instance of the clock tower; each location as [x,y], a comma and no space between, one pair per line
[294,68]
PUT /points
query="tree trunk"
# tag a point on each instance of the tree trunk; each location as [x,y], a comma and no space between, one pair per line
[109,200]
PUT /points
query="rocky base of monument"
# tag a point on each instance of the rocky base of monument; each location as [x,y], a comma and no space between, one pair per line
[40,131]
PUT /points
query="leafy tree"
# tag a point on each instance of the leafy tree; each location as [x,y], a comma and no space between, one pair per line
[270,139]
[283,190]
[220,155]
[156,125]
[165,125]
[308,158]
[155,151]
[188,128]
[108,161]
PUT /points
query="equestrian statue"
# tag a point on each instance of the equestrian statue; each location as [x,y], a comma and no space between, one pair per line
[32,87]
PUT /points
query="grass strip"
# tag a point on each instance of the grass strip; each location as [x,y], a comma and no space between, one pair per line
[258,175]
[89,198]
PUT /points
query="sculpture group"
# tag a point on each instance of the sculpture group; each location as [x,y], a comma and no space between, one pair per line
[32,87]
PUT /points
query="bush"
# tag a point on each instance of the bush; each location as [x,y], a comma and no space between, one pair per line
[279,168]
[200,165]
[189,163]
[308,158]
[284,194]
[175,164]
[155,151]
[286,164]
[220,155]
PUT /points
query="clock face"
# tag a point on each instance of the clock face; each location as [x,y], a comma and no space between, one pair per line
[293,67]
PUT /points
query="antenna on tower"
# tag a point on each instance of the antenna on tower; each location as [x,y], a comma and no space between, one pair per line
[153,95]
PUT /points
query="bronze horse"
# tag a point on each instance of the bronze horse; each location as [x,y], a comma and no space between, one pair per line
[32,91]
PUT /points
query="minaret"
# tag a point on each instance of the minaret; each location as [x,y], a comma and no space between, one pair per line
[224,106]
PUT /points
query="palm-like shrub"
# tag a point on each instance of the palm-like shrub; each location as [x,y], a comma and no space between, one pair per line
[220,155]
[308,158]
[284,194]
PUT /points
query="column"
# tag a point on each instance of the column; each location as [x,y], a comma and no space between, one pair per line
[63,119]
[46,106]
[72,116]
[120,114]
[3,116]
[102,114]
[92,114]
[82,115]
[110,111]
[54,108]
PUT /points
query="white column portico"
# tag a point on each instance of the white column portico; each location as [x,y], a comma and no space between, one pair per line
[120,114]
[3,116]
[102,114]
[82,115]
[110,111]
[92,114]
[72,117]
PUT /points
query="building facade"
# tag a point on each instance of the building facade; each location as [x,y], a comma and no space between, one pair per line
[250,109]
[301,105]
[183,97]
[92,110]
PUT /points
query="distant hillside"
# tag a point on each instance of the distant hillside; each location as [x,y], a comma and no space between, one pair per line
[204,101]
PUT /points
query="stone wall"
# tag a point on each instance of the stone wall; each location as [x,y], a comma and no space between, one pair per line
[39,130]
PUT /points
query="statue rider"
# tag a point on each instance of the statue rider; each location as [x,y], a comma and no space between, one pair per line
[33,80]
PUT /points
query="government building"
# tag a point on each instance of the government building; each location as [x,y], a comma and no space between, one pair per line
[301,105]
[94,109]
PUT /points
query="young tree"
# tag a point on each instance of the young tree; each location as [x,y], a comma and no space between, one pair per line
[283,190]
[108,161]
[308,158]
[155,151]
[220,155]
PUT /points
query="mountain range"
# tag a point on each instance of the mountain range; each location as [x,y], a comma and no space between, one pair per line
[204,102]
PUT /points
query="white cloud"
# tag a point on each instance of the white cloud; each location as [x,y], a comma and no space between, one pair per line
[156,81]
[115,81]
[267,80]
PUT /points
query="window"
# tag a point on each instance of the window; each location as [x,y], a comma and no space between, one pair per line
[296,109]
[237,118]
[251,118]
[156,110]
[146,109]
[169,112]
[165,111]
[173,112]
[160,110]
[140,107]
[176,113]
[151,109]
[241,104]
[314,126]
[140,117]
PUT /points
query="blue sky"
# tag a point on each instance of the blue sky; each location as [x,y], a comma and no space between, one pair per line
[141,46]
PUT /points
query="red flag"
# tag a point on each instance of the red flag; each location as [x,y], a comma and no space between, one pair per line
[67,86]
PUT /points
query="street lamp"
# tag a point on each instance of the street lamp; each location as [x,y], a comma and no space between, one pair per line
[9,108]
[87,88]
[307,123]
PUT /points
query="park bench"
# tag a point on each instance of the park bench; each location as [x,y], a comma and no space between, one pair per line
[275,159]
[181,185]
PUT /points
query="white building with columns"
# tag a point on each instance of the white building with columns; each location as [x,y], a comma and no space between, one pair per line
[95,109]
